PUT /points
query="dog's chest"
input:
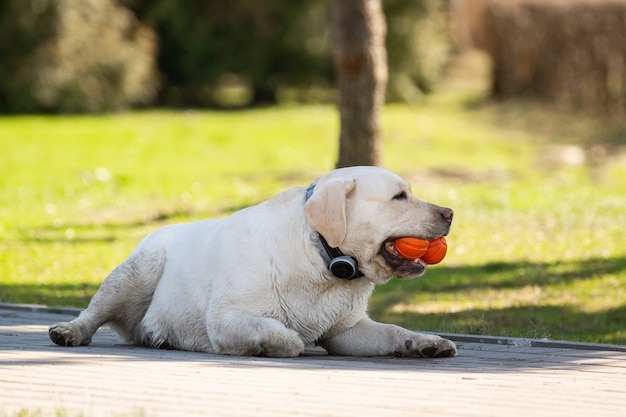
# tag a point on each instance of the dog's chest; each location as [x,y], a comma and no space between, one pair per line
[313,313]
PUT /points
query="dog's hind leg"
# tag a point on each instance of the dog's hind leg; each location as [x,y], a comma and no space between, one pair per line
[121,301]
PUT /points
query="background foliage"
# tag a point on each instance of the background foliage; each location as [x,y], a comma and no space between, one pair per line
[102,55]
[73,56]
[568,52]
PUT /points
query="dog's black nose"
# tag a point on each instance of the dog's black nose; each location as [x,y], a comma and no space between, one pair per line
[447,214]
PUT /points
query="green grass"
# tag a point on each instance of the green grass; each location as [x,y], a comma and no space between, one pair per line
[537,248]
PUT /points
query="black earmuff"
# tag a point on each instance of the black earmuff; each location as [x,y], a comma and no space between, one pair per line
[341,266]
[344,267]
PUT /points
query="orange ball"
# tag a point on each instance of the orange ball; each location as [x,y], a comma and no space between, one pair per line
[436,251]
[410,247]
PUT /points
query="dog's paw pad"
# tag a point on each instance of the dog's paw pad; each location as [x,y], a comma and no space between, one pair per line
[442,348]
[428,352]
[63,334]
[446,353]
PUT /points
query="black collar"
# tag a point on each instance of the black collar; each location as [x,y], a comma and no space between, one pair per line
[342,266]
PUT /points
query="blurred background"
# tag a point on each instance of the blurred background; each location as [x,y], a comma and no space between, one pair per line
[103,55]
[119,116]
[83,56]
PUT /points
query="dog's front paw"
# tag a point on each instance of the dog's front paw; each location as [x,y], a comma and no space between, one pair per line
[268,338]
[428,346]
[289,346]
[66,334]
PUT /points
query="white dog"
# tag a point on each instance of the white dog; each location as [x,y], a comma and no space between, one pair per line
[273,278]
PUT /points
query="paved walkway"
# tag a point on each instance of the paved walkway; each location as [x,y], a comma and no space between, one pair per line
[489,377]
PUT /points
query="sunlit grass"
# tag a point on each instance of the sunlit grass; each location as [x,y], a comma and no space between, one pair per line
[537,247]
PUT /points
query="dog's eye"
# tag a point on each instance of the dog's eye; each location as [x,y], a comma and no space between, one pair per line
[400,196]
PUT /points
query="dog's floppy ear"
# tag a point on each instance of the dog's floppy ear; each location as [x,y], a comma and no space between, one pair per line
[326,209]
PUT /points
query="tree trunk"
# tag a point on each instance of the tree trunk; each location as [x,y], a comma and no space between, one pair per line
[360,60]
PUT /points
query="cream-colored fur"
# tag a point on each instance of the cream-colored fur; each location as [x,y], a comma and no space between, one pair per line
[257,282]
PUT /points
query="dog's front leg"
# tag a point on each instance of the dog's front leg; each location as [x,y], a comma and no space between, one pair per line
[369,338]
[239,333]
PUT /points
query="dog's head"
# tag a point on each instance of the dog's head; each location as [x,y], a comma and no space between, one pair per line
[362,209]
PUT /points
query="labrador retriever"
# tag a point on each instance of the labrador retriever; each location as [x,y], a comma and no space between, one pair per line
[293,271]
